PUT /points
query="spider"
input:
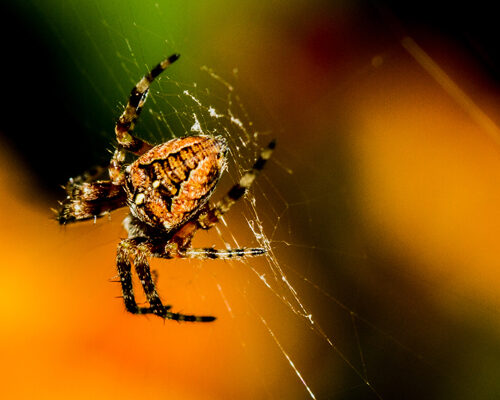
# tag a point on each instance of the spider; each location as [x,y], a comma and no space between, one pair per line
[167,189]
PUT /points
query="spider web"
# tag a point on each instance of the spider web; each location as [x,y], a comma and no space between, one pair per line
[278,208]
[311,299]
[219,110]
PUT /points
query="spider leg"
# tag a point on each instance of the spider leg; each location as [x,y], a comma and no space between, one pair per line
[86,200]
[213,214]
[139,251]
[211,253]
[124,270]
[126,123]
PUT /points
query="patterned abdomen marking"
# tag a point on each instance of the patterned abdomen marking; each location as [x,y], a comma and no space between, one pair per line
[172,180]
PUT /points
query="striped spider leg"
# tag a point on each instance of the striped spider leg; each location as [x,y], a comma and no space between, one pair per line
[126,123]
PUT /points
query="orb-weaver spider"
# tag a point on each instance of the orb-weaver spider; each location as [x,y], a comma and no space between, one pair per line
[167,189]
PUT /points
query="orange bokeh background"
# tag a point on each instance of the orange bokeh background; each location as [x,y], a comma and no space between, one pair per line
[65,334]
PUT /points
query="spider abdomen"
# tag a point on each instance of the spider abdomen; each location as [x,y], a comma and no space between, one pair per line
[172,181]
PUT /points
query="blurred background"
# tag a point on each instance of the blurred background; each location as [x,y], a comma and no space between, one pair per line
[380,203]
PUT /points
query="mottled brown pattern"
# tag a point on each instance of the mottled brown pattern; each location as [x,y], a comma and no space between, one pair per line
[186,171]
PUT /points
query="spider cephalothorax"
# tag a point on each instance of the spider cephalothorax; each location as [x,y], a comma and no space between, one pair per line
[167,190]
